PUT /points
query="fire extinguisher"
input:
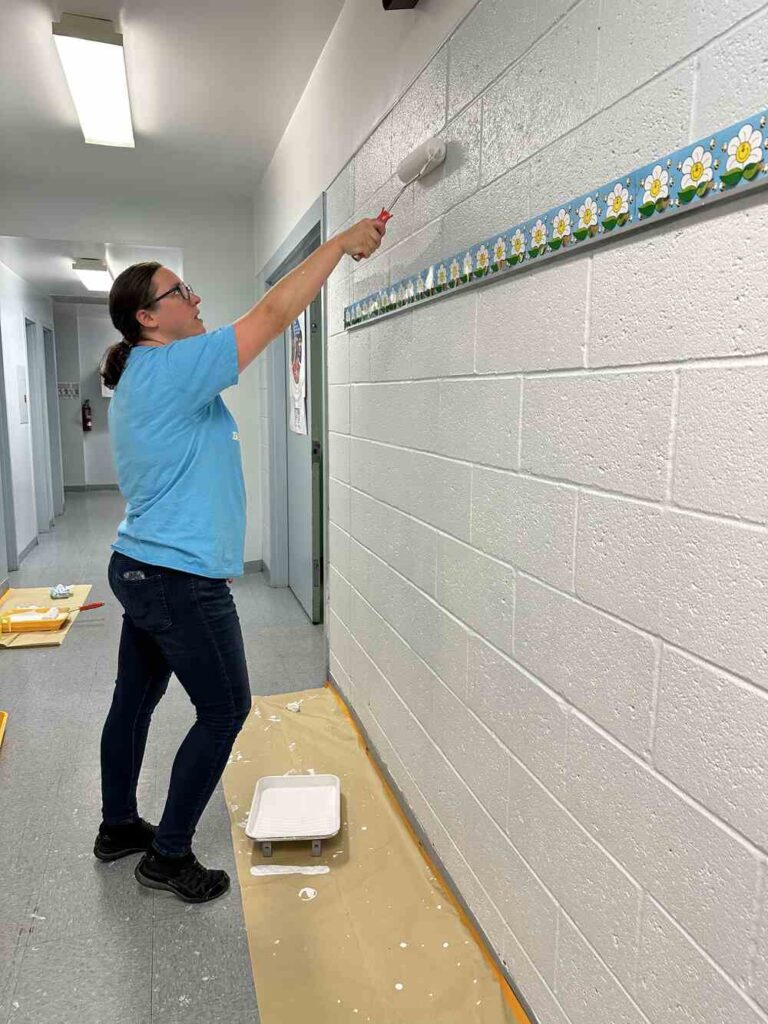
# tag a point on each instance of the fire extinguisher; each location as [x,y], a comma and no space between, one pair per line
[87,416]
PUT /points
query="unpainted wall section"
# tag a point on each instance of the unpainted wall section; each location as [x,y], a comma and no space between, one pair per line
[549,571]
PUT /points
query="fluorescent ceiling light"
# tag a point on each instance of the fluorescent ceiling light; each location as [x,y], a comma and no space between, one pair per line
[92,55]
[93,274]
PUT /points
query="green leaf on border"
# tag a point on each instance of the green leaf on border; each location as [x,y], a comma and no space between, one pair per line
[686,195]
[610,223]
[647,209]
[732,178]
[751,170]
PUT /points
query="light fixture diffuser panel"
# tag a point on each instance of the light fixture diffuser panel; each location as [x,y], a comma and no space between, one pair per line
[95,73]
[95,280]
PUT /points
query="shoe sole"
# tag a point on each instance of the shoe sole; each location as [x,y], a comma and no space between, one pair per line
[106,857]
[155,883]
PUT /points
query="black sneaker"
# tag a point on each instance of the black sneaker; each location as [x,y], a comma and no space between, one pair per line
[116,841]
[184,876]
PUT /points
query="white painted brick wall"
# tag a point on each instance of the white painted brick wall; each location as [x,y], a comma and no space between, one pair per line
[549,527]
[526,522]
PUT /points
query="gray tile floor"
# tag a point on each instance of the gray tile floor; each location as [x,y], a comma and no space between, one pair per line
[81,941]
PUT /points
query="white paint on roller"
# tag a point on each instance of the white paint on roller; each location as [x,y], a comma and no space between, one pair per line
[422,160]
[285,869]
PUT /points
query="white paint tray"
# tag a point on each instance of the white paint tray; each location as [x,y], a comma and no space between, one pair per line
[287,808]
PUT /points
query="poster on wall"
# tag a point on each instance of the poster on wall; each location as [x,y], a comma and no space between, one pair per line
[297,374]
[105,391]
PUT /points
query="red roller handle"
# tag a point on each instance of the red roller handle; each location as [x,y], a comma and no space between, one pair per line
[383,217]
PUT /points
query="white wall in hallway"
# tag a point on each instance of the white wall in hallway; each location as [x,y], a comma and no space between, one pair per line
[95,334]
[549,535]
[216,237]
[370,57]
[19,301]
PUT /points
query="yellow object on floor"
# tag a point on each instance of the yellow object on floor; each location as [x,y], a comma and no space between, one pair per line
[3,723]
[368,931]
[34,634]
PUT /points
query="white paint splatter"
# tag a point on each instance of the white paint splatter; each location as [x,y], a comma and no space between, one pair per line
[295,705]
[364,828]
[307,894]
[37,917]
[284,869]
[185,1001]
[403,945]
[445,945]
[399,986]
[275,718]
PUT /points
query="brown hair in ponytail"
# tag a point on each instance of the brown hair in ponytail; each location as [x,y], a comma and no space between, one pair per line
[130,292]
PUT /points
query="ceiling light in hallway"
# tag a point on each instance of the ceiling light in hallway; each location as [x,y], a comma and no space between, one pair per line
[92,55]
[93,274]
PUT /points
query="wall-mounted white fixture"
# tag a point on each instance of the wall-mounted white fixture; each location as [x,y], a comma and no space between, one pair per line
[93,274]
[92,55]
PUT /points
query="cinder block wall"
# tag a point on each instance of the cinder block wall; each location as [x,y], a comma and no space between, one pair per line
[548,503]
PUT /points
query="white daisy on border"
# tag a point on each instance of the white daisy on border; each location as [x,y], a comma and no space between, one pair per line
[539,234]
[483,258]
[499,251]
[744,149]
[518,243]
[656,185]
[455,271]
[618,200]
[588,213]
[697,169]
[561,225]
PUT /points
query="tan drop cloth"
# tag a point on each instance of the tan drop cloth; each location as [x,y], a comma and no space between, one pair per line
[41,597]
[378,939]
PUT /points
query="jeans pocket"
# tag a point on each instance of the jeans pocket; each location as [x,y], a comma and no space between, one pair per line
[143,598]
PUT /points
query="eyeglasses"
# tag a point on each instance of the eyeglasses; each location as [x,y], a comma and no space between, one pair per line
[183,290]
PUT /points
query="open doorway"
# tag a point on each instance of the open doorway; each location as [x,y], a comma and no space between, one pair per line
[297,519]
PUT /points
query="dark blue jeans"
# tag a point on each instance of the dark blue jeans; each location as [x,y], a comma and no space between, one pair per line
[188,625]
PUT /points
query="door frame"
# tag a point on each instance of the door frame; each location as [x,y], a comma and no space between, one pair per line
[54,419]
[305,237]
[7,510]
[38,422]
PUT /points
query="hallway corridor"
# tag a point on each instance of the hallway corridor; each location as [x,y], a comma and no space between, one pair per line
[80,941]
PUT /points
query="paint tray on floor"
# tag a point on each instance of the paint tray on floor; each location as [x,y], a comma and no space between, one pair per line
[30,630]
[292,808]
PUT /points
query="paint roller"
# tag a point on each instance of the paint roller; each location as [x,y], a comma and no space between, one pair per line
[418,164]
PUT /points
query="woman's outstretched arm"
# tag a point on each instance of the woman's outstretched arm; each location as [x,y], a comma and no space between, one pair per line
[272,314]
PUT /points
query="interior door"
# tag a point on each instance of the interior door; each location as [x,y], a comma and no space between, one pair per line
[304,474]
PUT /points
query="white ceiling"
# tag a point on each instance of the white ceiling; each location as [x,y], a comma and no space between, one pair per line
[213,86]
[47,265]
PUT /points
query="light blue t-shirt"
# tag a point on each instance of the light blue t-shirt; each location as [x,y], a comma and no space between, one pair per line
[177,455]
